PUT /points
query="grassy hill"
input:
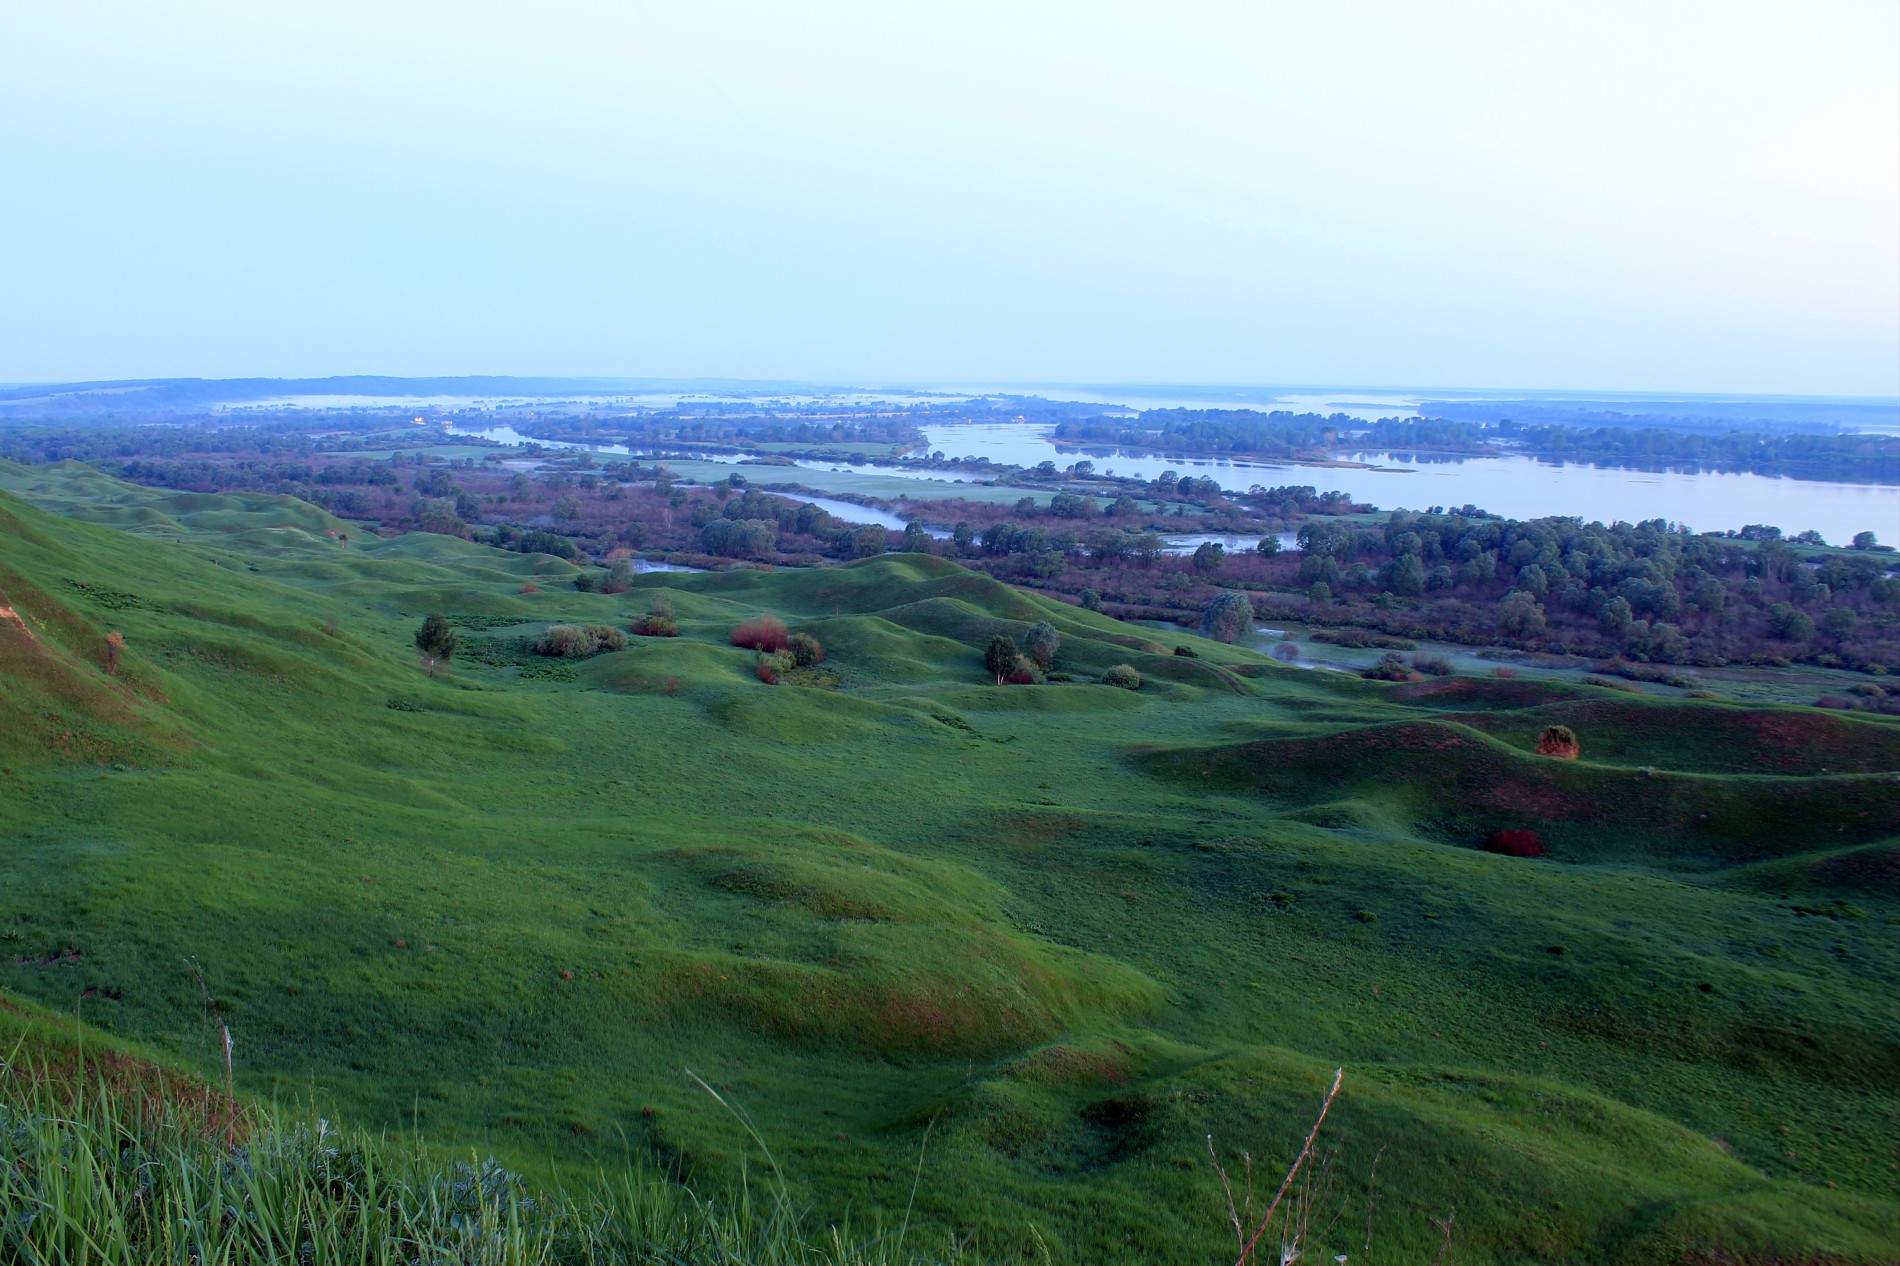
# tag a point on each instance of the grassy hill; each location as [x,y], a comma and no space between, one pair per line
[1065,931]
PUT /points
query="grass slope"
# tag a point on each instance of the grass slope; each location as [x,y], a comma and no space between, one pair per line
[1077,928]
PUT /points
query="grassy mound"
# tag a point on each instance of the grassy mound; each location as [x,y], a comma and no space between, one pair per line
[1452,781]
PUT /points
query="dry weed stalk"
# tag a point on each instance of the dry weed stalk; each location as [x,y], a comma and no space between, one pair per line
[1305,1201]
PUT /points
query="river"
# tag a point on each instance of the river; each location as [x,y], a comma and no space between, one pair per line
[1516,487]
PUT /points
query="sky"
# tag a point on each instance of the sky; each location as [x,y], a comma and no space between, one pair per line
[1672,195]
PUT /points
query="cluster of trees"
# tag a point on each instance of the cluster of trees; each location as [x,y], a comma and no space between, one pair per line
[1647,590]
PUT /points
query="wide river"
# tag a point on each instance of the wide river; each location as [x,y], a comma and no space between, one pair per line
[1516,487]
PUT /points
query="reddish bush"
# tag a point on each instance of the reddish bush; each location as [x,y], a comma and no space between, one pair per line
[1559,741]
[767,673]
[766,633]
[529,587]
[1504,672]
[115,645]
[1514,843]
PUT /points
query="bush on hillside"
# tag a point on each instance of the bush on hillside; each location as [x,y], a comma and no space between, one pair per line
[115,647]
[805,650]
[1024,672]
[1514,842]
[773,665]
[1432,665]
[573,641]
[655,626]
[1559,741]
[1286,652]
[1124,676]
[765,633]
[1187,652]
[1091,600]
[1504,672]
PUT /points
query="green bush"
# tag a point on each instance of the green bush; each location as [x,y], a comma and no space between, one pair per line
[1389,668]
[1124,676]
[573,641]
[805,650]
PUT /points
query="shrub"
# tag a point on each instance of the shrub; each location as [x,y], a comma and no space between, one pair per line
[572,641]
[566,641]
[1187,652]
[1228,618]
[1041,643]
[606,638]
[1841,702]
[999,657]
[1361,639]
[805,650]
[435,639]
[1091,600]
[1024,672]
[115,646]
[1514,842]
[773,665]
[1123,675]
[1389,668]
[1432,665]
[655,626]
[528,586]
[765,633]
[1287,652]
[1504,672]
[1559,741]
[1610,683]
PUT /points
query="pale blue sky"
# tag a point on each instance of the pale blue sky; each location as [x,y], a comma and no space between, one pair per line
[1668,195]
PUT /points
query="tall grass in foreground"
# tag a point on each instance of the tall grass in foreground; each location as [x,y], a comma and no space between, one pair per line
[104,1167]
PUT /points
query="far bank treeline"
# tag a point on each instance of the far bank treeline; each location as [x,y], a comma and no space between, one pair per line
[1239,433]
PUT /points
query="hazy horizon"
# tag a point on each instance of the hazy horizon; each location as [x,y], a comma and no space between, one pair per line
[1702,199]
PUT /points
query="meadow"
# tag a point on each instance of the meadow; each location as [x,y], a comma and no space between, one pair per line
[1043,945]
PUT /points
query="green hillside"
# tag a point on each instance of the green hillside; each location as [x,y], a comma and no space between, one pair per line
[1064,931]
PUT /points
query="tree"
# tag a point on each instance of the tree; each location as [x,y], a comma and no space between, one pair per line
[619,577]
[1000,656]
[916,538]
[1615,617]
[1864,540]
[1839,621]
[436,640]
[1269,546]
[1124,676]
[1228,618]
[1408,575]
[1091,600]
[868,541]
[1041,643]
[1519,615]
[1208,556]
[1789,623]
